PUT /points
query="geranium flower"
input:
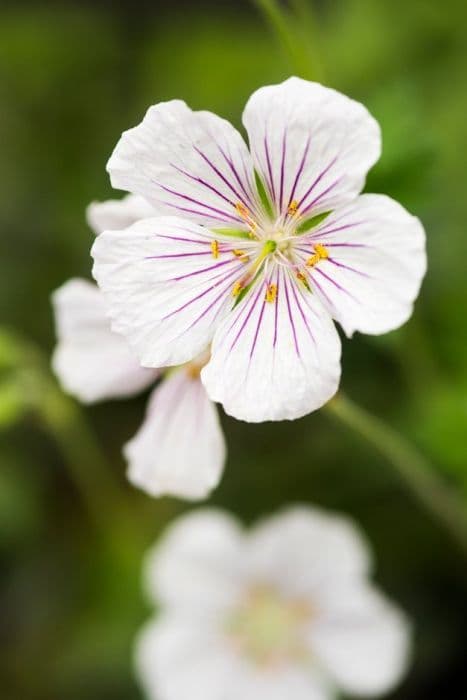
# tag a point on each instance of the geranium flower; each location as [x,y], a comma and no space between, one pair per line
[284,611]
[180,448]
[258,251]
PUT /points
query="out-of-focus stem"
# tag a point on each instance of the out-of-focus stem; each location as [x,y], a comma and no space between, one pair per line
[300,51]
[434,494]
[87,466]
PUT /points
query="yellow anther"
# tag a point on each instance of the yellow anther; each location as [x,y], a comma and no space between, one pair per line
[215,249]
[241,255]
[271,293]
[311,262]
[242,210]
[292,208]
[303,279]
[237,288]
[321,251]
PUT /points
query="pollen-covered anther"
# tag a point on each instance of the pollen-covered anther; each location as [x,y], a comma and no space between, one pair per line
[321,253]
[215,249]
[301,276]
[244,213]
[271,293]
[241,255]
[237,288]
[292,208]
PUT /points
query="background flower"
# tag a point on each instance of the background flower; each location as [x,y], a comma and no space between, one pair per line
[180,448]
[285,610]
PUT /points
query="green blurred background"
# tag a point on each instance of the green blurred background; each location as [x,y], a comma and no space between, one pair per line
[73,75]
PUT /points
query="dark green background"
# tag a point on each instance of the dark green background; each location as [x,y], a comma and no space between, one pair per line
[72,77]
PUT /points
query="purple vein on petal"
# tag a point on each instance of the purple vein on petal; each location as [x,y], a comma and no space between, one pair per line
[177,255]
[321,195]
[300,309]
[183,239]
[284,151]
[220,174]
[201,213]
[289,311]
[200,180]
[335,284]
[276,309]
[253,301]
[300,170]
[200,295]
[212,304]
[195,201]
[214,266]
[258,326]
[351,269]
[235,173]
[268,161]
[315,182]
[327,231]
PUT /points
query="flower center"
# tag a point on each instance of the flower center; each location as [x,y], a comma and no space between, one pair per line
[269,629]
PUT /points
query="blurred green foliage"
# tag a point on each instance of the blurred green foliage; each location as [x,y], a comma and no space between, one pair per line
[72,76]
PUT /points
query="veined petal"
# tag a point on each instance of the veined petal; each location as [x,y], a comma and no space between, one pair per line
[313,145]
[180,448]
[116,214]
[197,565]
[192,164]
[274,360]
[91,361]
[166,289]
[302,550]
[360,639]
[375,265]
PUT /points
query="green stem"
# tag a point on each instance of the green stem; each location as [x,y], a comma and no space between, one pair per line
[87,465]
[296,46]
[433,493]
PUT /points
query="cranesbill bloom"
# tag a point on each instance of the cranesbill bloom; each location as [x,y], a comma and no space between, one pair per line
[179,448]
[284,611]
[258,251]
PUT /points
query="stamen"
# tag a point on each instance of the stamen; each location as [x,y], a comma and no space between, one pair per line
[241,255]
[271,293]
[303,279]
[244,213]
[215,249]
[237,288]
[292,208]
[321,253]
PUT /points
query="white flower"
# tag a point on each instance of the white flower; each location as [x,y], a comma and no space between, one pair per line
[180,448]
[258,251]
[284,611]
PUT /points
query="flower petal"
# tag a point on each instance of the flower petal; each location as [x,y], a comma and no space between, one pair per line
[193,164]
[116,214]
[274,361]
[180,448]
[91,361]
[197,565]
[360,639]
[165,288]
[303,549]
[375,267]
[178,659]
[312,144]
[286,680]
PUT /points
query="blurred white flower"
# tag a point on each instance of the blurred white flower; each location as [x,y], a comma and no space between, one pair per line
[257,252]
[285,611]
[180,448]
